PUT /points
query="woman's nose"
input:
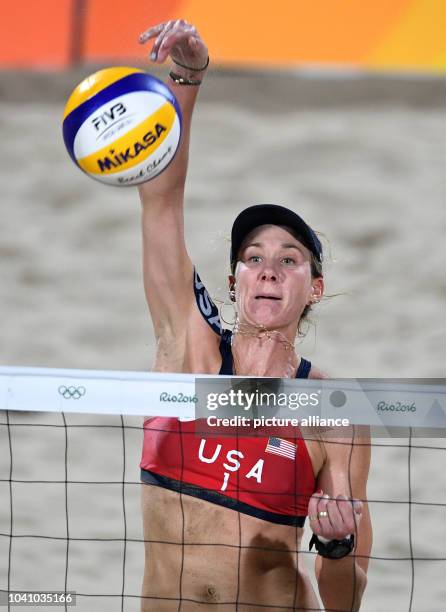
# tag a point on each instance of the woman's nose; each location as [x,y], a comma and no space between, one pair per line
[269,273]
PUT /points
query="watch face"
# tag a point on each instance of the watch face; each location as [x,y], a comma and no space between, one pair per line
[339,551]
[334,549]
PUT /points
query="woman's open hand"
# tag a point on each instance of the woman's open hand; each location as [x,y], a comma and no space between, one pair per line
[179,40]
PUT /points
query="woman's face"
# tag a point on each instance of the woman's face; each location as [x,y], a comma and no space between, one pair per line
[273,282]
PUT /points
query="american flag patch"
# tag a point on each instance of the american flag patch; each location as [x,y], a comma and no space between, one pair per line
[277,446]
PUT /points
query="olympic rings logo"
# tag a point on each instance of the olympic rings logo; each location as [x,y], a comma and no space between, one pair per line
[72,392]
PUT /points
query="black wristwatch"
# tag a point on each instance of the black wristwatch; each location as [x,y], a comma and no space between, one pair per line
[333,549]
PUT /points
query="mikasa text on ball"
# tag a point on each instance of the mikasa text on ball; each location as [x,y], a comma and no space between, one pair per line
[122,126]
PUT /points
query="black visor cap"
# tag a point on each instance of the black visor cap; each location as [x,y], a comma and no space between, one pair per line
[271,214]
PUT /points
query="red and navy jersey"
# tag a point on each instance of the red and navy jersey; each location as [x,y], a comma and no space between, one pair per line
[267,477]
[270,478]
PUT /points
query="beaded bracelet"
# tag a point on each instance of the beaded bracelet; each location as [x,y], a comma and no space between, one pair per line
[179,80]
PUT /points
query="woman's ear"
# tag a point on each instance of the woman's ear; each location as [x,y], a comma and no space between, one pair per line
[317,290]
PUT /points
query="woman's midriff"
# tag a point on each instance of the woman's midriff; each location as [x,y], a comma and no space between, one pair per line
[204,554]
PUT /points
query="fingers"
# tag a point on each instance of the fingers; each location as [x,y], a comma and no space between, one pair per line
[316,505]
[171,39]
[160,32]
[178,39]
[324,516]
[160,40]
[312,505]
[341,521]
[150,33]
[334,518]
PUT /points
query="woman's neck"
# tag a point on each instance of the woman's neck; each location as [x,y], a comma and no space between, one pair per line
[258,351]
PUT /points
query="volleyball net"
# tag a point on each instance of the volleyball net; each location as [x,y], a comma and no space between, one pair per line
[70,447]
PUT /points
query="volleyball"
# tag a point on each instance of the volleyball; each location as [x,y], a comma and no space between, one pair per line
[122,126]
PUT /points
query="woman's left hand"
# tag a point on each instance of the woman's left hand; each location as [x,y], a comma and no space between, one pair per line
[334,518]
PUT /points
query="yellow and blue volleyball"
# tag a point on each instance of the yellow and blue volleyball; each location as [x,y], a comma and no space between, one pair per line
[122,126]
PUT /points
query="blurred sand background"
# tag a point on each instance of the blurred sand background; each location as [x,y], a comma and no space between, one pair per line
[362,159]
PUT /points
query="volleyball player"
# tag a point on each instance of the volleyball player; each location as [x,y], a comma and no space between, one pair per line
[223,517]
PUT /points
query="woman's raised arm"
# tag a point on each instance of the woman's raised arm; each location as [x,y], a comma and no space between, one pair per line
[167,268]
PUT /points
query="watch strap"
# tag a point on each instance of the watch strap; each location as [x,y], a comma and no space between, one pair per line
[333,549]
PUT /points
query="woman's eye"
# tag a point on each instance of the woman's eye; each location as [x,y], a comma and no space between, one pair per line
[255,258]
[288,260]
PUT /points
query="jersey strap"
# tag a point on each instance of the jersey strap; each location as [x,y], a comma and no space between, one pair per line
[206,306]
[227,364]
[304,368]
[226,354]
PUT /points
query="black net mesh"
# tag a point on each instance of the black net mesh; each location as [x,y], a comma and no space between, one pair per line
[70,519]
